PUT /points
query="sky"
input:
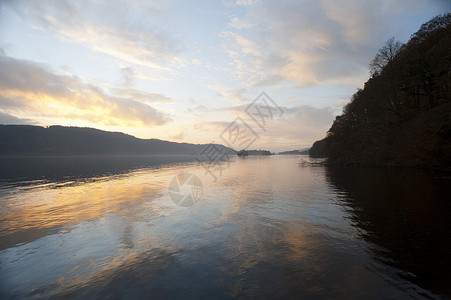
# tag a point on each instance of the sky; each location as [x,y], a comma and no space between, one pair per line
[194,71]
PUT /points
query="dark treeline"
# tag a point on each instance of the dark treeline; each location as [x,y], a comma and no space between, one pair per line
[295,152]
[402,116]
[59,140]
[317,149]
[253,152]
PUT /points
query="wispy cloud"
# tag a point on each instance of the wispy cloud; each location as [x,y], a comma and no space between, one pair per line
[141,96]
[309,43]
[241,2]
[116,28]
[240,24]
[27,88]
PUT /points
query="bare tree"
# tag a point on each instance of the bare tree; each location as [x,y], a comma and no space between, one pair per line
[384,59]
[385,56]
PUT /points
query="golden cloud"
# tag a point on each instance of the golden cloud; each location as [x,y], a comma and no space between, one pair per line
[27,89]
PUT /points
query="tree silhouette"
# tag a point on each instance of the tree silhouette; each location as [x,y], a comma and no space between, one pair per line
[385,61]
[385,56]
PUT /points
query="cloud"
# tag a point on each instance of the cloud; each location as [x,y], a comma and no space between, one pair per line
[246,2]
[129,76]
[356,19]
[212,127]
[179,137]
[242,2]
[27,88]
[248,46]
[231,95]
[196,62]
[141,96]
[240,24]
[308,43]
[199,109]
[117,28]
[300,38]
[6,119]
[297,128]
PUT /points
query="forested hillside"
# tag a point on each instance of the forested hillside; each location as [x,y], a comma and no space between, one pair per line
[402,116]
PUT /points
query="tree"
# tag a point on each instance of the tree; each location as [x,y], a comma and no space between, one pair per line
[385,56]
[385,61]
[242,153]
[439,22]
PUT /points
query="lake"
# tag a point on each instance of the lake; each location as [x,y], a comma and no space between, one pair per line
[96,227]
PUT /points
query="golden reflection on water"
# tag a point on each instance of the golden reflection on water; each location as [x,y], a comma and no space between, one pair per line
[266,227]
[127,205]
[53,205]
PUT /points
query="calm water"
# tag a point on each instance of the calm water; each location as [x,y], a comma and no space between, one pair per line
[267,228]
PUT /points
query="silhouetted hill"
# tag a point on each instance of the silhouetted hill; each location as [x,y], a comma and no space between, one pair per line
[295,152]
[402,117]
[59,140]
[317,149]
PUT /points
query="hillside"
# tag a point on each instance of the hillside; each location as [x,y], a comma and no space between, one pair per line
[59,140]
[304,151]
[402,116]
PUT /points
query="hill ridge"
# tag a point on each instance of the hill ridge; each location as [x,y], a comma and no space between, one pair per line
[72,140]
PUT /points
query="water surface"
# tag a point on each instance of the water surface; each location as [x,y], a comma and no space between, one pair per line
[267,228]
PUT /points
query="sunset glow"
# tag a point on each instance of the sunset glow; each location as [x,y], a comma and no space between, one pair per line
[180,71]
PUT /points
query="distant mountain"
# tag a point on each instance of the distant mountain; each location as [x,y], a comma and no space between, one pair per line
[59,140]
[304,151]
